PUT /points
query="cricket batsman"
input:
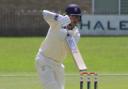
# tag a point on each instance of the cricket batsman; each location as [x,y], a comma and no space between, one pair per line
[53,50]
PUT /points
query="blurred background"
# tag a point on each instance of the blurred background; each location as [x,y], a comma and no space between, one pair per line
[23,17]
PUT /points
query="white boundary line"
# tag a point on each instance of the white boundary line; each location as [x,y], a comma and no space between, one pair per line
[71,75]
[99,74]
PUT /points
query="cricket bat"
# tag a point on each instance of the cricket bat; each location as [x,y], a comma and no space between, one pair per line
[76,53]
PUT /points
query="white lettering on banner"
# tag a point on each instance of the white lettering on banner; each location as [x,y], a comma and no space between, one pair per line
[104,25]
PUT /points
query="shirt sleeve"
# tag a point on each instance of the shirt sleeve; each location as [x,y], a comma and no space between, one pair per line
[52,18]
[75,33]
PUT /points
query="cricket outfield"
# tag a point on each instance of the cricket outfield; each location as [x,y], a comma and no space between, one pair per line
[104,55]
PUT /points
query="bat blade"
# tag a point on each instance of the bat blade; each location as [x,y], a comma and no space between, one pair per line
[76,53]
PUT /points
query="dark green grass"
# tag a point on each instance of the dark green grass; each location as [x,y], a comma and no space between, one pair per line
[101,54]
[17,54]
[105,54]
[71,82]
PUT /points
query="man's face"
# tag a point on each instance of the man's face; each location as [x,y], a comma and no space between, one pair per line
[75,19]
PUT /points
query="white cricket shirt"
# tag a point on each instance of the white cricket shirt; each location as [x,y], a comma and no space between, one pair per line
[55,46]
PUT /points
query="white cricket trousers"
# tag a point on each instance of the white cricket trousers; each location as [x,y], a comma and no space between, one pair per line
[51,73]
